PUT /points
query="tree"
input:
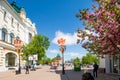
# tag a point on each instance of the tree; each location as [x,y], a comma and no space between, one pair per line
[45,60]
[25,54]
[76,60]
[76,64]
[38,45]
[89,58]
[102,27]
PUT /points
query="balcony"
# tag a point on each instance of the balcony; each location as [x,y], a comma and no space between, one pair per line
[7,45]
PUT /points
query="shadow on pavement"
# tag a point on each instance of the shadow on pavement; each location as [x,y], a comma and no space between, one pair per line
[70,74]
[77,75]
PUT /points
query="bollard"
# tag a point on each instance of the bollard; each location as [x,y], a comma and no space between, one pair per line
[17,72]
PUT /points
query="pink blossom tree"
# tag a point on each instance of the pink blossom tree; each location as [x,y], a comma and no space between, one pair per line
[104,21]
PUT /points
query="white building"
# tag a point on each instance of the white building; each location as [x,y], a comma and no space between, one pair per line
[111,63]
[13,25]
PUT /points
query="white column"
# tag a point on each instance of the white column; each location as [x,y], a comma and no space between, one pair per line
[8,37]
[107,63]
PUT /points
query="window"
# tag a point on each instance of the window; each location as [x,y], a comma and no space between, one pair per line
[115,63]
[18,27]
[5,15]
[30,37]
[4,34]
[11,38]
[12,21]
[10,60]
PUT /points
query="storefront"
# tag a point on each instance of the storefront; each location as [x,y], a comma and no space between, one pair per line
[112,64]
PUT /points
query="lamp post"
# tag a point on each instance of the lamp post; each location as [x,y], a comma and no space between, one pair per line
[62,46]
[18,45]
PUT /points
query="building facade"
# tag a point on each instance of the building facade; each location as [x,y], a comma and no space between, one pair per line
[13,25]
[110,63]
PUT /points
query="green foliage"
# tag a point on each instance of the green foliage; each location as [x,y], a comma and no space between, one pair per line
[45,60]
[25,53]
[38,45]
[76,60]
[76,64]
[89,58]
[53,60]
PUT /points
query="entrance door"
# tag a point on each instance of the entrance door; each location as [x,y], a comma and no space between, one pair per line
[10,59]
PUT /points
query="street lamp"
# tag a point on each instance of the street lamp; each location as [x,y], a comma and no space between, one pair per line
[62,46]
[18,44]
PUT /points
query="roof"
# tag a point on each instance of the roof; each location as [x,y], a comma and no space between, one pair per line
[16,8]
[58,56]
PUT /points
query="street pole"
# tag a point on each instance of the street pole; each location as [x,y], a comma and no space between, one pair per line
[19,69]
[19,65]
[63,70]
[18,45]
[62,47]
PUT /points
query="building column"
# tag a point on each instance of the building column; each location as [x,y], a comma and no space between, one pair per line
[102,65]
[108,63]
[2,60]
[8,37]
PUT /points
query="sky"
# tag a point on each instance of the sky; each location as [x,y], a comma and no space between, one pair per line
[56,19]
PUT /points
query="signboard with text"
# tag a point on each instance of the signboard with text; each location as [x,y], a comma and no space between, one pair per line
[33,57]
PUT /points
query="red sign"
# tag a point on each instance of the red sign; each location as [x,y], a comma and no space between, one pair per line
[17,41]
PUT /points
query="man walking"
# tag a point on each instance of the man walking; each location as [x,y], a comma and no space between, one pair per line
[95,69]
[27,69]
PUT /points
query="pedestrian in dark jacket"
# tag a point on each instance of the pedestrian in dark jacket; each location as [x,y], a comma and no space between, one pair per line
[95,69]
[27,69]
[87,76]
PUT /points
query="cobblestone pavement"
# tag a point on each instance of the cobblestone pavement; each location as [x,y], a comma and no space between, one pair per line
[45,73]
[40,74]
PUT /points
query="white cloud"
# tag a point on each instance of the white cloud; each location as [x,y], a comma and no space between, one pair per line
[70,38]
[54,51]
[74,55]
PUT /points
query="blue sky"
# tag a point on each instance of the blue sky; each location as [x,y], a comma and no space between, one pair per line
[55,19]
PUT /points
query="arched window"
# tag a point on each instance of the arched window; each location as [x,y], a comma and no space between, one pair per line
[5,15]
[11,38]
[12,20]
[10,60]
[4,34]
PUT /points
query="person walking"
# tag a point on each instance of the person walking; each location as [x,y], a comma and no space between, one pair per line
[27,69]
[95,69]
